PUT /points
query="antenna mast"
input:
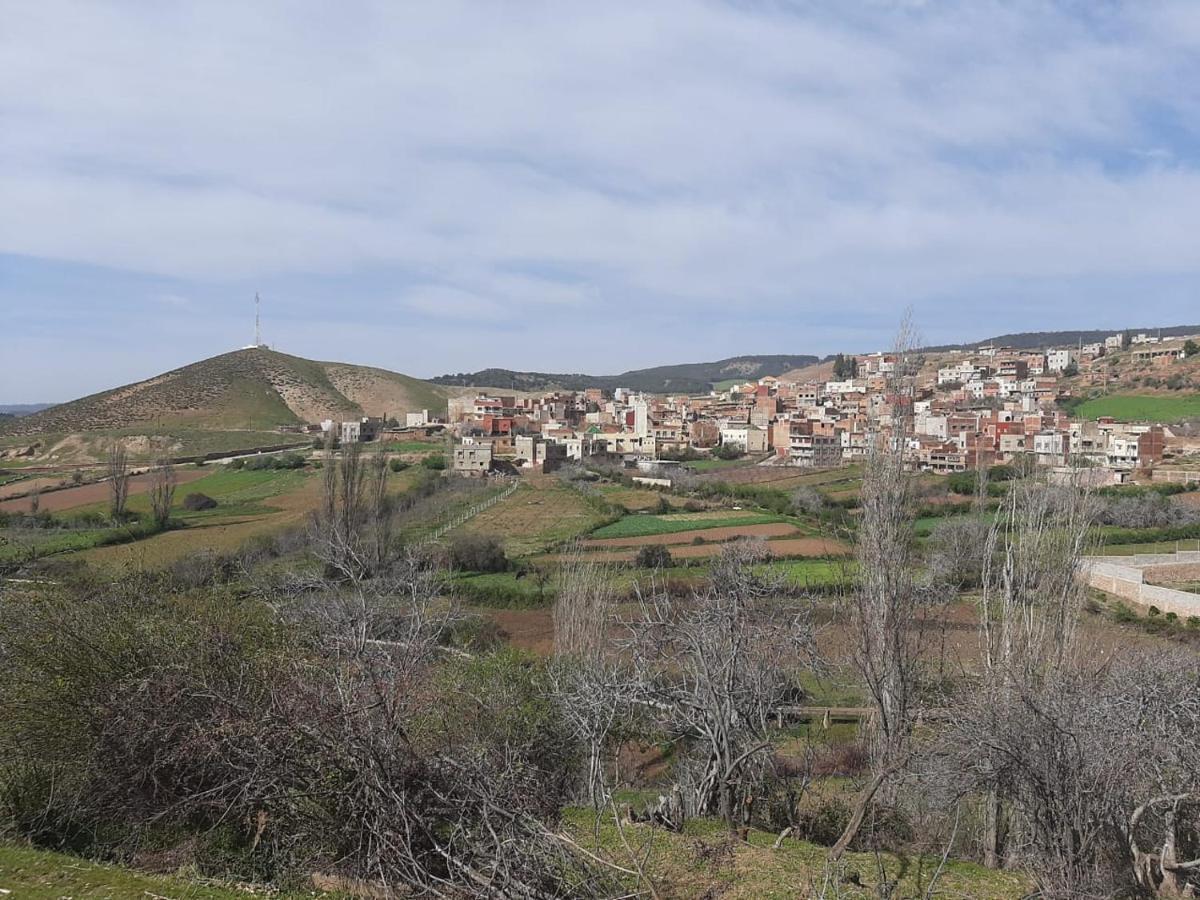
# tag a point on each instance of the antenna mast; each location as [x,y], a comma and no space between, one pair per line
[257,322]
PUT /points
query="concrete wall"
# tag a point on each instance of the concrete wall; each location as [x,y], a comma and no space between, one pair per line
[1125,577]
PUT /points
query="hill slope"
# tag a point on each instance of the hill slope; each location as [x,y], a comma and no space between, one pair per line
[246,389]
[683,378]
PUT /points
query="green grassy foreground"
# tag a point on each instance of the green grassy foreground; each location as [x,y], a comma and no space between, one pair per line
[27,874]
[704,861]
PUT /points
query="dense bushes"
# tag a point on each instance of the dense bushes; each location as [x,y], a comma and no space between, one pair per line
[653,556]
[268,461]
[477,553]
[1147,510]
[268,744]
[195,502]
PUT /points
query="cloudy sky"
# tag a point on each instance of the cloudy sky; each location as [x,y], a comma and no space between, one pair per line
[439,186]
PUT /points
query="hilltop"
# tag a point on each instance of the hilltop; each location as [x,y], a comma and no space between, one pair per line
[252,389]
[683,378]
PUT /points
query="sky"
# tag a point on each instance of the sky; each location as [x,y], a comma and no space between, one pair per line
[580,186]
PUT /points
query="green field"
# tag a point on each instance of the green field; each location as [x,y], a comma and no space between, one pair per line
[1142,407]
[410,446]
[238,494]
[672,523]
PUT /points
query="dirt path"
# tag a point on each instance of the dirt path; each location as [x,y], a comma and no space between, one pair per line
[85,494]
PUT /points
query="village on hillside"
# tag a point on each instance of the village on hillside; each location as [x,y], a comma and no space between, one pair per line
[964,410]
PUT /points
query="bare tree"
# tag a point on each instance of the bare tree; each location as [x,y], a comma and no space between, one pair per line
[713,669]
[886,604]
[592,690]
[117,471]
[162,490]
[352,532]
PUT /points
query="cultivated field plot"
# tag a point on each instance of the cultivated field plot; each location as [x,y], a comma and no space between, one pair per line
[1142,407]
[636,499]
[773,475]
[89,494]
[668,523]
[718,534]
[783,548]
[250,504]
[541,513]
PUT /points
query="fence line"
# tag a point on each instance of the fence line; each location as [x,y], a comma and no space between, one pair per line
[473,511]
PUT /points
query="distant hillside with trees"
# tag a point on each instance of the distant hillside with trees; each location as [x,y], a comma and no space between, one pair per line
[682,378]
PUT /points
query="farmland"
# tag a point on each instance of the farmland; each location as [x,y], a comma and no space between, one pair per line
[543,512]
[1164,408]
[643,525]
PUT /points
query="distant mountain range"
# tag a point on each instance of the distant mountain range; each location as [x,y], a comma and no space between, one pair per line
[694,378]
[13,410]
[686,378]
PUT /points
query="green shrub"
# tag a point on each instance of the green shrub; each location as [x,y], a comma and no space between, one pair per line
[477,553]
[397,465]
[1122,613]
[435,462]
[195,502]
[653,556]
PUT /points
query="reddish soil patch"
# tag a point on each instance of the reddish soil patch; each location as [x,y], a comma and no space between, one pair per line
[526,629]
[69,498]
[1191,498]
[774,529]
[29,484]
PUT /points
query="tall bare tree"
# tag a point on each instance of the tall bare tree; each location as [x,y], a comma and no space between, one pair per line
[1030,603]
[162,490]
[117,471]
[590,685]
[887,604]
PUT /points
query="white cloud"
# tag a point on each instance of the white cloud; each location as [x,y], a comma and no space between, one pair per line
[668,158]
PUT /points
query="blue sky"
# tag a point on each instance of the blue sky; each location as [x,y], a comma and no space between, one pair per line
[440,187]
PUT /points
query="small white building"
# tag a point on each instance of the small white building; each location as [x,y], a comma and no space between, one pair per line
[1058,360]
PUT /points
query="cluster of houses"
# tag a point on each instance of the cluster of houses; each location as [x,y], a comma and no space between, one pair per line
[976,408]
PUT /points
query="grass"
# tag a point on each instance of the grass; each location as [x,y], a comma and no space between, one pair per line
[411,447]
[713,465]
[41,875]
[1142,407]
[703,861]
[672,523]
[636,498]
[1147,547]
[809,572]
[542,513]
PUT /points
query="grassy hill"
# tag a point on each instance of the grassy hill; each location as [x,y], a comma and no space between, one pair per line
[254,389]
[684,378]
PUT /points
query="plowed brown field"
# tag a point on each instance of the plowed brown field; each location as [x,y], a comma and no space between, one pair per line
[69,498]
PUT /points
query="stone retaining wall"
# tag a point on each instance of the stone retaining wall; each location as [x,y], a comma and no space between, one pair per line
[1125,577]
